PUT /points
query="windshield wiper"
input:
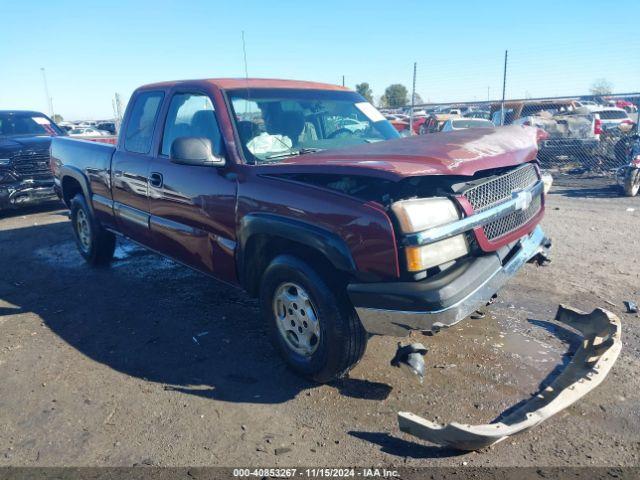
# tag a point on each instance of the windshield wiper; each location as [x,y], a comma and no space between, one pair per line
[293,153]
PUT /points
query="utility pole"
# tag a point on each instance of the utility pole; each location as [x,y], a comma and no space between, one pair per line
[488,94]
[413,98]
[343,80]
[504,86]
[46,92]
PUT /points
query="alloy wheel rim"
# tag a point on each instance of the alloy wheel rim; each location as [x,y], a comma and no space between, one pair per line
[83,230]
[297,318]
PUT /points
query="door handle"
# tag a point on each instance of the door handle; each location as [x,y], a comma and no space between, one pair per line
[155,180]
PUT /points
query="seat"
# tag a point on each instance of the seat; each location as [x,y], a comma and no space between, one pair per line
[247,130]
[290,124]
[204,124]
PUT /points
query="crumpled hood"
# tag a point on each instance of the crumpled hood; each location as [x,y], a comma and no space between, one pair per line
[461,152]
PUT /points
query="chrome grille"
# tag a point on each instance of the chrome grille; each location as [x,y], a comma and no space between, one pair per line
[32,164]
[500,189]
[513,221]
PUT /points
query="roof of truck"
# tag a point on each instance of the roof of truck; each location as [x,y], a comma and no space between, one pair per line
[234,83]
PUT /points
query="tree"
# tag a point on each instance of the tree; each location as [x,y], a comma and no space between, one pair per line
[395,96]
[417,99]
[365,90]
[601,87]
[57,118]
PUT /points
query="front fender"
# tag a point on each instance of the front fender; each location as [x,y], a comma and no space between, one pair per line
[323,241]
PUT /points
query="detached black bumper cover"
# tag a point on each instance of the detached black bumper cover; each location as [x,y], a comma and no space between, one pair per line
[26,192]
[601,345]
[395,308]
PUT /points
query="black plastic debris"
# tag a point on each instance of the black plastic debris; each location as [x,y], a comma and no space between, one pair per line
[632,307]
[541,259]
[410,358]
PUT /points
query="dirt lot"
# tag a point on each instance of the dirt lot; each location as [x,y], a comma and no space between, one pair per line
[150,363]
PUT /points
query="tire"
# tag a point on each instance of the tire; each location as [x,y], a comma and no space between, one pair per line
[95,243]
[621,150]
[341,339]
[632,182]
[422,130]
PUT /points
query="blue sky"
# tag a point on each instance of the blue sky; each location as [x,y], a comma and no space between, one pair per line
[93,49]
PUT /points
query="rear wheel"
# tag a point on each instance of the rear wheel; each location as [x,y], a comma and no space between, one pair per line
[632,182]
[313,326]
[95,243]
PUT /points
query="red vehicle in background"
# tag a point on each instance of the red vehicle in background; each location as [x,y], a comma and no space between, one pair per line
[400,124]
[626,105]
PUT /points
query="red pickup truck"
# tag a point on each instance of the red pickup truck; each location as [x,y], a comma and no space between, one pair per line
[303,195]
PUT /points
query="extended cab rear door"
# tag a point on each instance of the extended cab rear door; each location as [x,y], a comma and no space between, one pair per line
[130,166]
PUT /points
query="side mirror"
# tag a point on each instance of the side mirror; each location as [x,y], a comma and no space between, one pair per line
[196,151]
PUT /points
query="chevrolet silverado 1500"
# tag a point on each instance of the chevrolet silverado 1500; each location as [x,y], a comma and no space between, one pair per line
[340,232]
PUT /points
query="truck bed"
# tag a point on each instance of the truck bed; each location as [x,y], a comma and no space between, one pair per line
[81,154]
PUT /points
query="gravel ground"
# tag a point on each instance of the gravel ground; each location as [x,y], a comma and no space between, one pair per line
[149,363]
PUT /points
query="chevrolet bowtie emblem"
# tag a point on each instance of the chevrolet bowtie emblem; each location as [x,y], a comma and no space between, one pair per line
[523,199]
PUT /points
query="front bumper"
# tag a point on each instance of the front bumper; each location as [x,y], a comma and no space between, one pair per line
[22,193]
[601,344]
[399,307]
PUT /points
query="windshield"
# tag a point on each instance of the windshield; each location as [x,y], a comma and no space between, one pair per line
[13,124]
[276,124]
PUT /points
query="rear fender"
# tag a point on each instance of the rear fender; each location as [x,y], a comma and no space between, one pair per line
[68,171]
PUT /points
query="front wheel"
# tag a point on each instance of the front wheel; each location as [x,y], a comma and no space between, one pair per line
[632,182]
[313,326]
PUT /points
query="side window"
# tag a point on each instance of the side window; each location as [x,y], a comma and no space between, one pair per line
[191,115]
[142,119]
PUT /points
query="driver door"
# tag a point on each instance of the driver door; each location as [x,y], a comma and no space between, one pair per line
[193,207]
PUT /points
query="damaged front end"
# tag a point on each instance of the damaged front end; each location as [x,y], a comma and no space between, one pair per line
[19,193]
[599,349]
[25,178]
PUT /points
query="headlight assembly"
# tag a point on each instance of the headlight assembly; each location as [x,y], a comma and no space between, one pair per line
[420,214]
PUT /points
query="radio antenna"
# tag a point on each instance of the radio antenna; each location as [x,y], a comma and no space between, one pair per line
[246,74]
[244,52]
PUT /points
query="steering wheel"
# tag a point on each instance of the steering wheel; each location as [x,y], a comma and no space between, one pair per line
[341,132]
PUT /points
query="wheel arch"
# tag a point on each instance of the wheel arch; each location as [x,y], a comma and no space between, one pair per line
[72,182]
[265,236]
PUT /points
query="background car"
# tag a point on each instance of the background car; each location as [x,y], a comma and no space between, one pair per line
[484,114]
[613,116]
[352,124]
[107,127]
[87,132]
[464,123]
[434,123]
